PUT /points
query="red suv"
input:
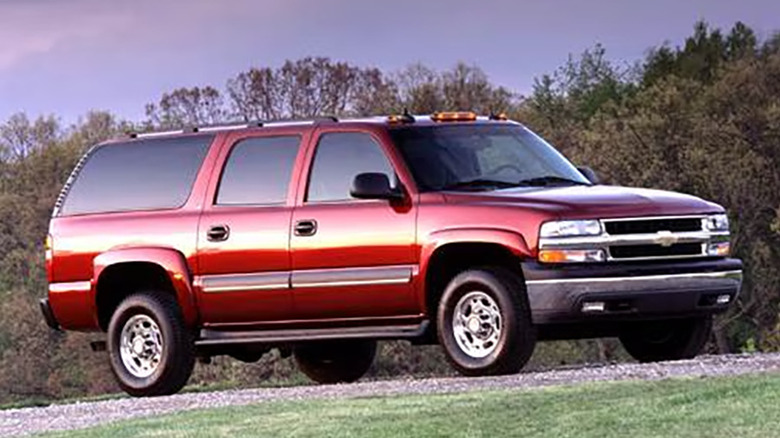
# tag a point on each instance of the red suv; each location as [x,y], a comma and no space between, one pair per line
[321,237]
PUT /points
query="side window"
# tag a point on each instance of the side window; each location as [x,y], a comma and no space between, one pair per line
[258,171]
[137,175]
[339,157]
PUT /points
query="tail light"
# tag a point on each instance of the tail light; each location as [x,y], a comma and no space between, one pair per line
[48,246]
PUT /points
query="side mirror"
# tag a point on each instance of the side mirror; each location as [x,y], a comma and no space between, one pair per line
[589,174]
[373,185]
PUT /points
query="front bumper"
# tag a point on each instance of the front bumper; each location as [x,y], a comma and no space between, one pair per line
[629,291]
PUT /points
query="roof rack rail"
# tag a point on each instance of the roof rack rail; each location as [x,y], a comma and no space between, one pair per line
[300,121]
[227,126]
[231,126]
[153,134]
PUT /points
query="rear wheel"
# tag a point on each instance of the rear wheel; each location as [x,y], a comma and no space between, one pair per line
[484,322]
[335,361]
[150,350]
[667,340]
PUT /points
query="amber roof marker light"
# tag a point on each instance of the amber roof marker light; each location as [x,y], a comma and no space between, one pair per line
[406,117]
[454,116]
[501,117]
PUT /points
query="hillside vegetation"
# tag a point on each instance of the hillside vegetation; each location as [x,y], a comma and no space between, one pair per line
[702,118]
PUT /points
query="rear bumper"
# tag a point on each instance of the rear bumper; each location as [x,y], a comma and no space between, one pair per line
[48,314]
[630,291]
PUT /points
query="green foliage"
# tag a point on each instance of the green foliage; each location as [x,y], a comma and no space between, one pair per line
[702,56]
[749,346]
[701,119]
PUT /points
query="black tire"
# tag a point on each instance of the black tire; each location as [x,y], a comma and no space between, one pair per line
[517,335]
[667,340]
[177,355]
[335,361]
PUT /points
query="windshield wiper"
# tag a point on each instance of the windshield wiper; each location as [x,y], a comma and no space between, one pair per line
[550,180]
[479,183]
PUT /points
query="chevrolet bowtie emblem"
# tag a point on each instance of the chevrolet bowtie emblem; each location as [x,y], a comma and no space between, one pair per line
[666,238]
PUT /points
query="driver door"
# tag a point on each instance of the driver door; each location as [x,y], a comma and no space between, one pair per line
[351,258]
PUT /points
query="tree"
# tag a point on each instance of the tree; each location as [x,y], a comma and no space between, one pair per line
[703,54]
[467,88]
[419,89]
[187,107]
[19,136]
[375,93]
[307,87]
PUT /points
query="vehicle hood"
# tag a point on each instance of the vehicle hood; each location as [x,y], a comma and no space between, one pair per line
[598,201]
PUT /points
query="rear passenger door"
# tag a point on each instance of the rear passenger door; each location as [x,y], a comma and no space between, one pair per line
[351,258]
[243,238]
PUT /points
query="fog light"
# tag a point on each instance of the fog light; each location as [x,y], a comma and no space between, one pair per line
[571,255]
[723,299]
[719,249]
[593,306]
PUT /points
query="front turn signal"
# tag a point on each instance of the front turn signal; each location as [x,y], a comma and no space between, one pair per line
[572,255]
[719,249]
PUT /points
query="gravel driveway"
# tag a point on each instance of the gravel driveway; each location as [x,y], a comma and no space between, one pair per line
[18,422]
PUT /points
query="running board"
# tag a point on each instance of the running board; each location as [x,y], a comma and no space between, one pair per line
[209,337]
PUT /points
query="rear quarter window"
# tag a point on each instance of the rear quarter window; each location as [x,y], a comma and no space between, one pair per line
[138,175]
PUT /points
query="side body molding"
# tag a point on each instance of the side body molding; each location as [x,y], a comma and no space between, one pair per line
[171,260]
[511,240]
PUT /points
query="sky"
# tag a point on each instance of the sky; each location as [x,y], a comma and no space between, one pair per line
[66,57]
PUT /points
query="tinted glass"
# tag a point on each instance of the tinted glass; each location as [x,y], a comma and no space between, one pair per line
[339,157]
[258,171]
[447,157]
[138,175]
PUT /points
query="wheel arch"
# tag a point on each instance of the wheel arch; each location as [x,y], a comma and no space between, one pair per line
[449,252]
[145,267]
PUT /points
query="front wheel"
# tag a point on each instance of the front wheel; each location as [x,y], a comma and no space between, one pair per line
[150,350]
[484,322]
[335,361]
[667,340]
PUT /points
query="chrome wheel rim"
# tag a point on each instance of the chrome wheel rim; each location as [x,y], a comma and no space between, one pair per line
[477,324]
[141,346]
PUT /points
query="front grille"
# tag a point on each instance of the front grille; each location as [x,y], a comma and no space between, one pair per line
[647,251]
[652,226]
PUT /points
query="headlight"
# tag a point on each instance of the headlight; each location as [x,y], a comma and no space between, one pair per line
[570,228]
[716,222]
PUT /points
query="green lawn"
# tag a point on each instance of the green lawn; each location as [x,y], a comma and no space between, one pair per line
[747,406]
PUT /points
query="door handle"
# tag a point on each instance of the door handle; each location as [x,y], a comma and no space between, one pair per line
[306,227]
[218,233]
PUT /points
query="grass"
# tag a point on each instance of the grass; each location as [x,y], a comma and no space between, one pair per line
[747,406]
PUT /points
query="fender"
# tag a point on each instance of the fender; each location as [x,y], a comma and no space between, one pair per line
[169,259]
[511,240]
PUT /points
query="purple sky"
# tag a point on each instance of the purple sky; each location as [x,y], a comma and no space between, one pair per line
[65,57]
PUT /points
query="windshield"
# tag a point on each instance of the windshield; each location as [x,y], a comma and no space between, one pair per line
[482,157]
